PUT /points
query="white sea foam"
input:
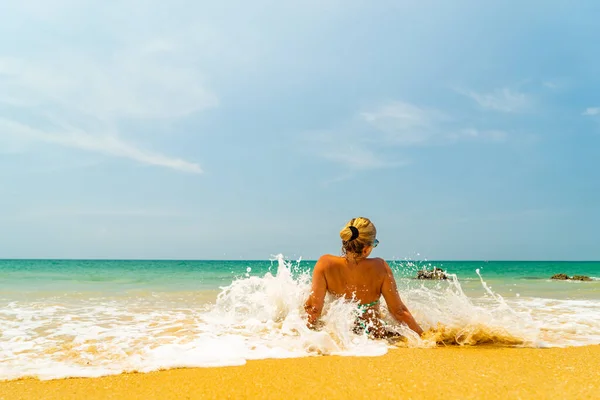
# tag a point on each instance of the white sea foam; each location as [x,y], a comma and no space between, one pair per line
[262,317]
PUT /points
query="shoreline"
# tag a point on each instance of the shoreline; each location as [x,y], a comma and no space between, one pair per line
[440,373]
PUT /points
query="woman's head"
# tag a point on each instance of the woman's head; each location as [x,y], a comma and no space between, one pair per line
[358,235]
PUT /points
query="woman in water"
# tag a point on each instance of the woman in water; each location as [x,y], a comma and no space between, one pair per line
[354,276]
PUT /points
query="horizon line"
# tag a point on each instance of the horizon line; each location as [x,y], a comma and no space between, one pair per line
[294,259]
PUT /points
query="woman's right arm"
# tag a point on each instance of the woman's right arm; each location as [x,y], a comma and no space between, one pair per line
[395,305]
[314,303]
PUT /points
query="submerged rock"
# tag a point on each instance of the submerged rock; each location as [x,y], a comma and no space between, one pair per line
[565,277]
[581,278]
[436,273]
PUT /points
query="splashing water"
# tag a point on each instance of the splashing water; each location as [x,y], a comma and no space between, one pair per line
[254,318]
[454,318]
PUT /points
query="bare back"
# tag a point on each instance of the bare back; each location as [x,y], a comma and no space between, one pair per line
[360,281]
[365,281]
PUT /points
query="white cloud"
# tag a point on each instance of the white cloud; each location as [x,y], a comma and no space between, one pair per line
[131,85]
[100,143]
[591,111]
[129,70]
[365,142]
[358,157]
[504,100]
[77,211]
[491,135]
[403,123]
[85,93]
[345,148]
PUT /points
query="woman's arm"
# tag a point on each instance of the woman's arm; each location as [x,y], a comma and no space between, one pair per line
[394,303]
[314,304]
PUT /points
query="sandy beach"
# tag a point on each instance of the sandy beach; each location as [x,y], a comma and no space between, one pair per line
[441,373]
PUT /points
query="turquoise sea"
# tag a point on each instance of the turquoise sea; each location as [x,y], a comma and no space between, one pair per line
[210,275]
[95,317]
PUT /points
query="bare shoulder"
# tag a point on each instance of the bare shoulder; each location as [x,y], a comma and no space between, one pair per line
[326,261]
[380,264]
[327,258]
[378,261]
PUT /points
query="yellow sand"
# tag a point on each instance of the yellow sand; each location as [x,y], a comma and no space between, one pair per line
[442,373]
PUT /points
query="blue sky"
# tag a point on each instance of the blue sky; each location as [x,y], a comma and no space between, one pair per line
[188,129]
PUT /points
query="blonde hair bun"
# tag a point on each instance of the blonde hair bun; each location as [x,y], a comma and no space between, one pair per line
[357,234]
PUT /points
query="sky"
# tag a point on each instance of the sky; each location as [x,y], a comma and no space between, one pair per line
[240,130]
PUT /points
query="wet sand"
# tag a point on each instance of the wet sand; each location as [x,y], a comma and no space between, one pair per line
[441,373]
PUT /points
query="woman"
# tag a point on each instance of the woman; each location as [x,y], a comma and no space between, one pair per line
[356,277]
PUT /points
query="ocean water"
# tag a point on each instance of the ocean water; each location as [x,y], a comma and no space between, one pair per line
[62,318]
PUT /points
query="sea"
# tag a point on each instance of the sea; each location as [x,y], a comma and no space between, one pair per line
[89,318]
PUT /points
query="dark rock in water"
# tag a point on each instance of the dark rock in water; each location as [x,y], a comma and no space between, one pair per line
[565,277]
[436,273]
[581,278]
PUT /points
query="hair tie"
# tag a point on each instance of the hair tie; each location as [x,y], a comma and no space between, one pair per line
[354,233]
